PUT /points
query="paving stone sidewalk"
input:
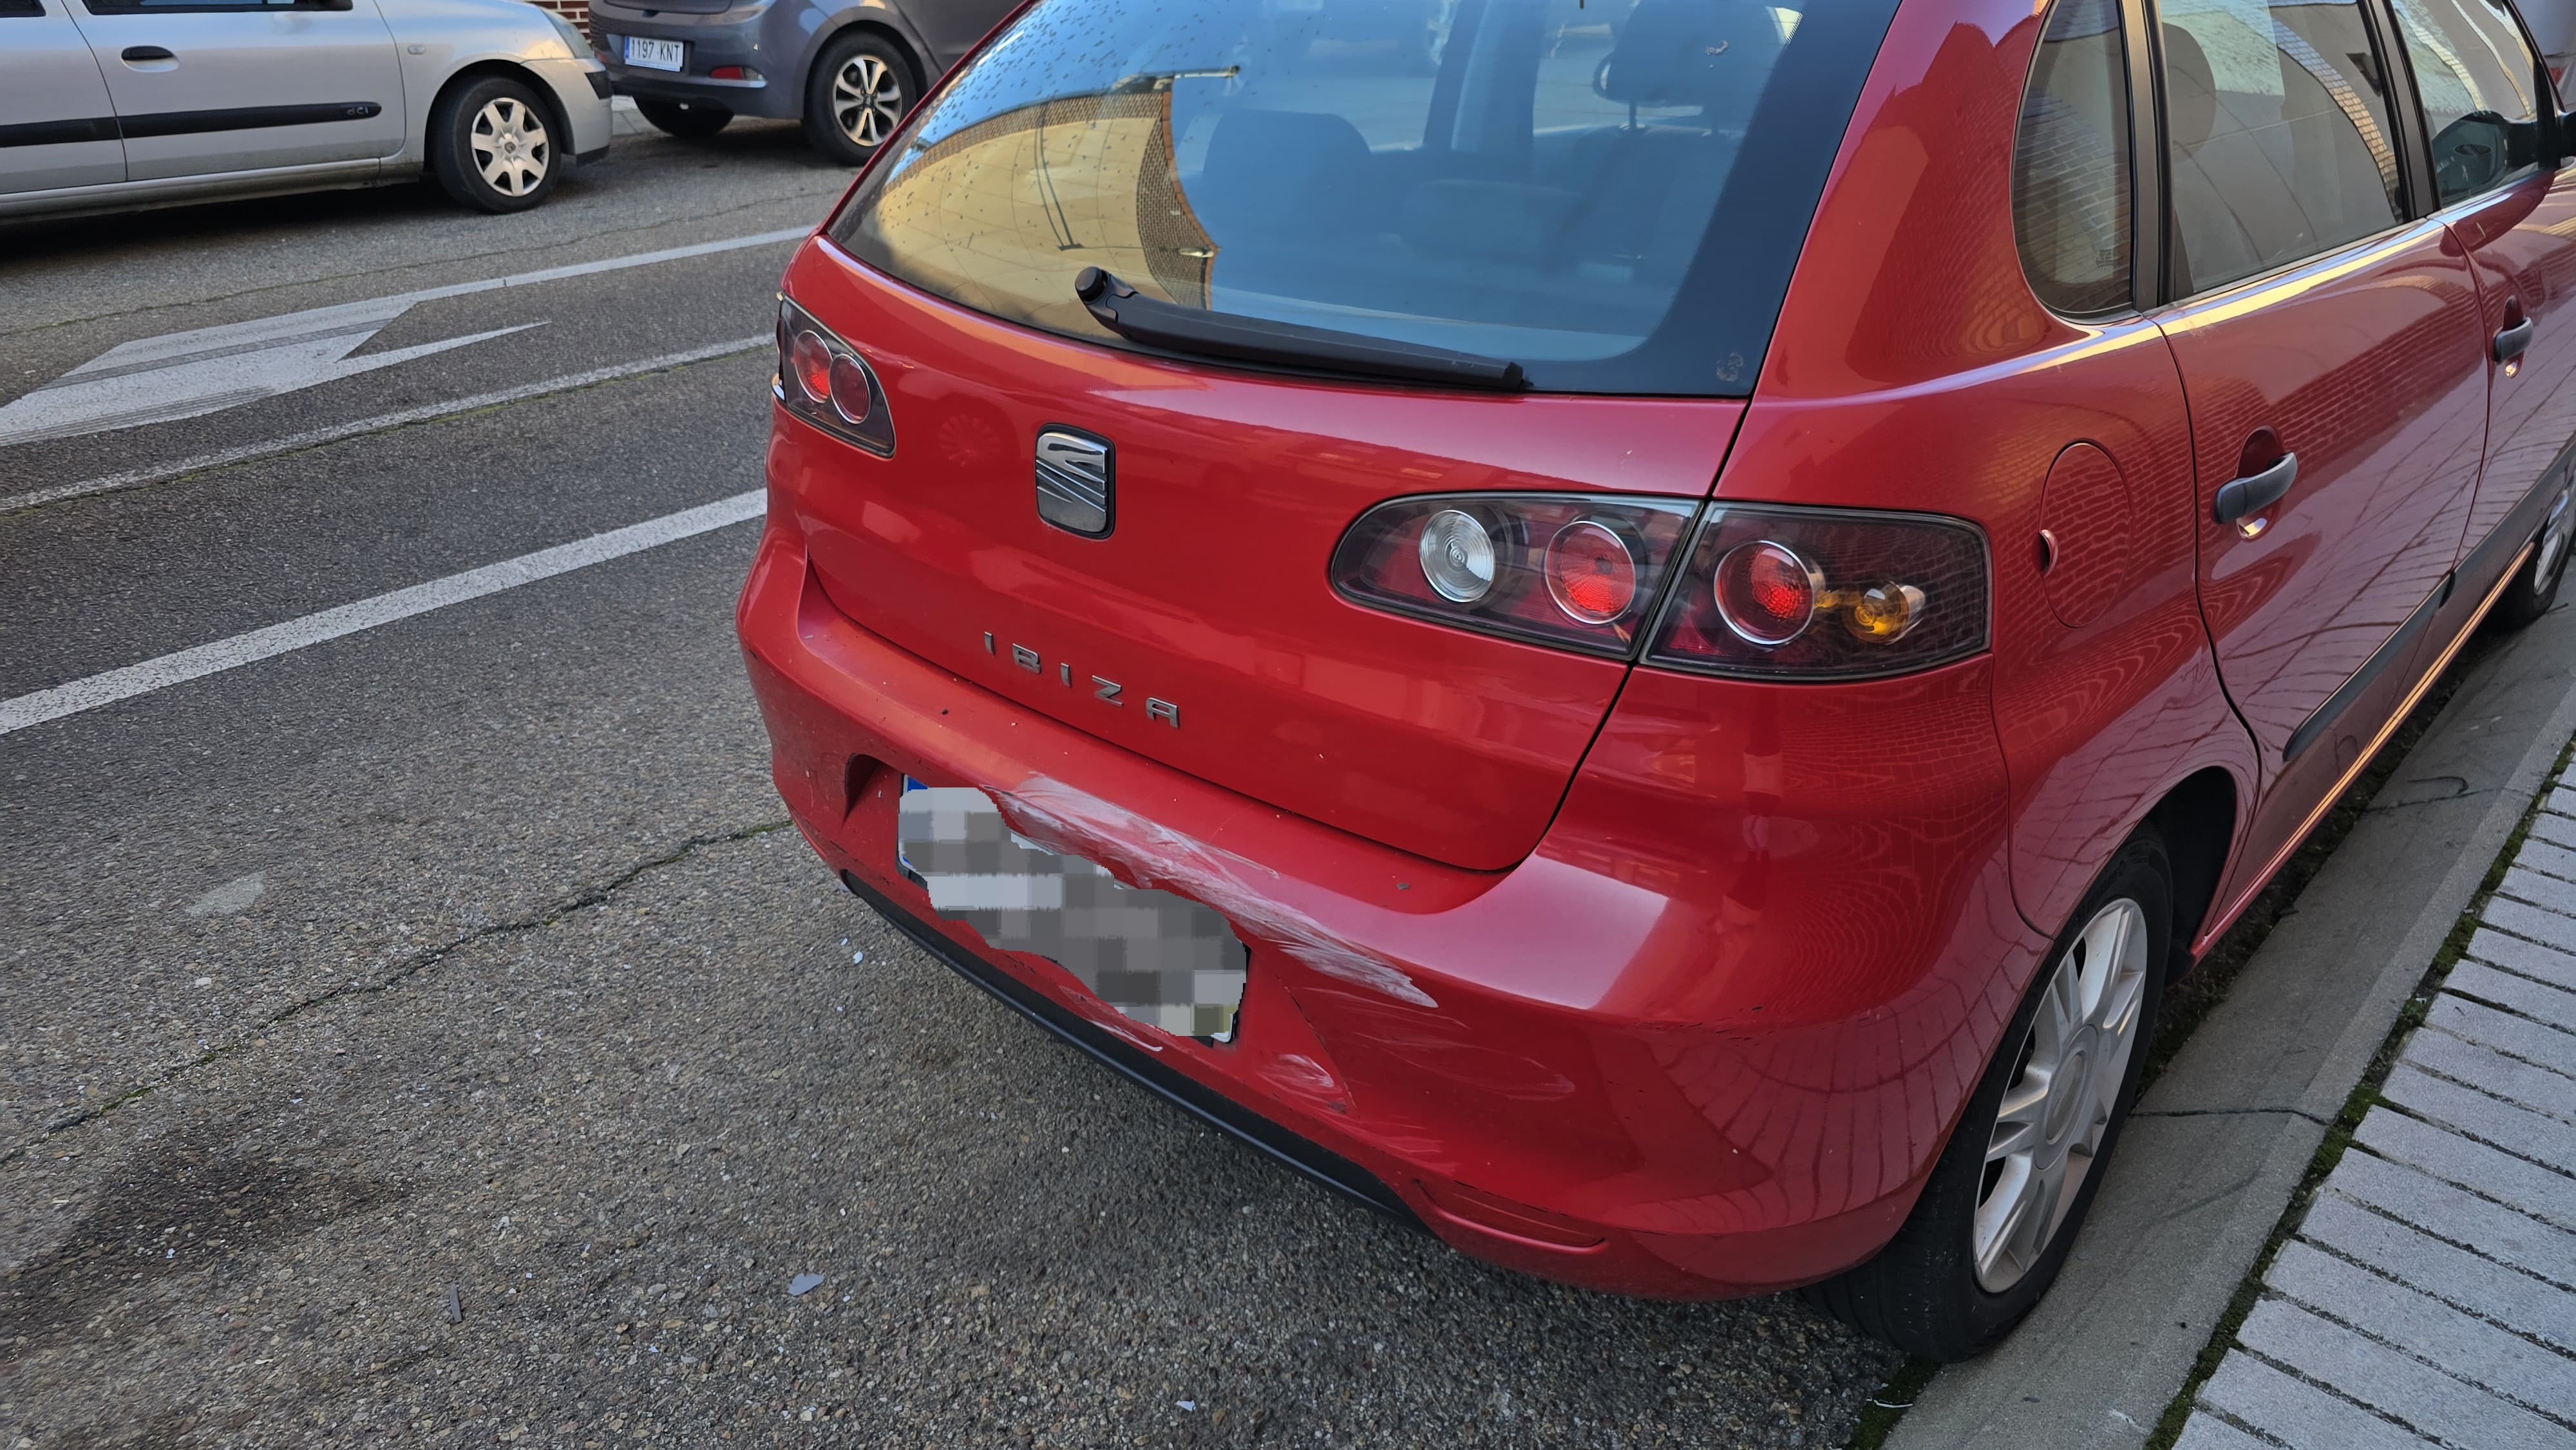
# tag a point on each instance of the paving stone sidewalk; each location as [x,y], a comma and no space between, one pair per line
[2429,1296]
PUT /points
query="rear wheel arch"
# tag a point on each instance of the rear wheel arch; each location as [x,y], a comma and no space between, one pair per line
[2197,821]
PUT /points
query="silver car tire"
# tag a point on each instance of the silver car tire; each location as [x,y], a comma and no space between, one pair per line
[495,145]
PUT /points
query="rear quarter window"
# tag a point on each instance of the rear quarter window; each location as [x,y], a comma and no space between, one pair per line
[2071,192]
[1611,193]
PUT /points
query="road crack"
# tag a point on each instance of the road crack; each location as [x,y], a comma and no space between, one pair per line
[402,971]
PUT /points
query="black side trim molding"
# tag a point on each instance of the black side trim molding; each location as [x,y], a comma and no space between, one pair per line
[2396,647]
[1213,1108]
[58,133]
[245,118]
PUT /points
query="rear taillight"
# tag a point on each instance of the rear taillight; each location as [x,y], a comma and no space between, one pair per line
[1824,594]
[824,381]
[1571,570]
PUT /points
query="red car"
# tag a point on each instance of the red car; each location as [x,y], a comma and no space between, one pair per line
[1645,652]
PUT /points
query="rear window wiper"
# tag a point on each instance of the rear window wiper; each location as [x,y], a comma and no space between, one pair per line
[1139,318]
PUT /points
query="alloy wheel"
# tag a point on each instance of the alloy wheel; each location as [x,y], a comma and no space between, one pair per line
[2553,542]
[2066,1084]
[510,146]
[867,99]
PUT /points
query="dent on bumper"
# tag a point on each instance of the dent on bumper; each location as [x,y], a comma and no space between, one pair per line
[1703,1042]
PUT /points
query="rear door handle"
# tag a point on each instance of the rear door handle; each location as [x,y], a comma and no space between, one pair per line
[2515,340]
[146,52]
[2255,492]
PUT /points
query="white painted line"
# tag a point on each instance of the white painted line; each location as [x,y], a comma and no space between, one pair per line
[330,624]
[314,438]
[188,374]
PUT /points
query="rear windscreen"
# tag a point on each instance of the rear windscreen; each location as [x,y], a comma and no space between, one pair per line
[1611,193]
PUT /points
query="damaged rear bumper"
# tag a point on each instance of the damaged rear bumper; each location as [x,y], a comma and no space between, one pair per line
[1680,1051]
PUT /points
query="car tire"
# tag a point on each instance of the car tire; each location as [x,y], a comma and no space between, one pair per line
[492,145]
[860,86]
[1966,1267]
[688,120]
[2535,586]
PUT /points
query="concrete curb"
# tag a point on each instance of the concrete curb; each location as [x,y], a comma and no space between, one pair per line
[2222,1139]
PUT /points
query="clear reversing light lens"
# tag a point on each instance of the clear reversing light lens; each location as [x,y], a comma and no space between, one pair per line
[1457,556]
[1823,594]
[810,359]
[849,390]
[1590,572]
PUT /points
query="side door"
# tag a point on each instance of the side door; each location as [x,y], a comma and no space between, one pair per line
[210,86]
[951,27]
[2333,358]
[2487,107]
[57,126]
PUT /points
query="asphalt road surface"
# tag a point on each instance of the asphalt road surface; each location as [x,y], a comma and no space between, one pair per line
[422,1025]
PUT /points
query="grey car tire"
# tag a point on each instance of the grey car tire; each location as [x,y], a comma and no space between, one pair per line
[493,145]
[2535,585]
[860,87]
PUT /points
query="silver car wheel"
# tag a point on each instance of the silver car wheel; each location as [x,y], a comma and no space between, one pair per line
[2553,542]
[2049,1128]
[867,99]
[510,146]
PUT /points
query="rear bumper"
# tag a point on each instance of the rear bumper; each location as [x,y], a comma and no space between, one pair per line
[1677,1052]
[712,41]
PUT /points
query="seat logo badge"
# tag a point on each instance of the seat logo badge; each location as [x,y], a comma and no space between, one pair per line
[1110,692]
[1077,482]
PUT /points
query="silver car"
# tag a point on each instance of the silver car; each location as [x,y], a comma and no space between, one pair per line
[110,104]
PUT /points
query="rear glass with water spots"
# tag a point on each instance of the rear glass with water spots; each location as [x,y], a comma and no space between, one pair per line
[1611,193]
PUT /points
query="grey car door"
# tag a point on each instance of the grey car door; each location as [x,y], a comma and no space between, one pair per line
[951,27]
[57,126]
[210,86]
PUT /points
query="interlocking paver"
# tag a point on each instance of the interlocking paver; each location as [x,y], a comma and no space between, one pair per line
[2524,884]
[2209,1433]
[2562,799]
[2523,919]
[2521,1037]
[2560,830]
[2296,1413]
[2398,1386]
[2530,958]
[2474,1350]
[2518,1130]
[2488,1229]
[2516,1182]
[2518,994]
[2528,1306]
[2509,1078]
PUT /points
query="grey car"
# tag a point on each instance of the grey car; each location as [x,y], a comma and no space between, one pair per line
[848,69]
[111,104]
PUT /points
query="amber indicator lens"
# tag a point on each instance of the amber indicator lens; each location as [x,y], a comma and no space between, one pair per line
[1766,593]
[1590,572]
[1580,571]
[1793,593]
[825,381]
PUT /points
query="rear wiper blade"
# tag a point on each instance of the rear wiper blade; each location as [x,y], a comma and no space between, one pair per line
[1139,318]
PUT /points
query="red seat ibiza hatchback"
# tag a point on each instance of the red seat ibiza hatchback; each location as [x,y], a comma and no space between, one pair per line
[1639,634]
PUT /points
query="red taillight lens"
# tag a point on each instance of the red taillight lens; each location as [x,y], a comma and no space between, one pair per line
[1590,572]
[825,381]
[809,361]
[1825,594]
[1766,593]
[1563,569]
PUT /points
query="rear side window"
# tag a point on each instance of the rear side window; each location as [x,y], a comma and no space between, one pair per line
[2277,132]
[2071,162]
[1611,193]
[2480,85]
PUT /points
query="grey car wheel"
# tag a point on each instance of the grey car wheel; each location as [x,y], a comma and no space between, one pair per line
[861,87]
[492,145]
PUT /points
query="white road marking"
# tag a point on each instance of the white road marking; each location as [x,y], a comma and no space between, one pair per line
[330,624]
[314,438]
[204,370]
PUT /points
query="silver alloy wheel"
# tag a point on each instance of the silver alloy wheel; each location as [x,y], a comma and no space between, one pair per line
[510,145]
[2553,542]
[2050,1124]
[867,99]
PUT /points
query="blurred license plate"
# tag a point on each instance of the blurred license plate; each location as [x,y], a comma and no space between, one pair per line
[655,54]
[1160,959]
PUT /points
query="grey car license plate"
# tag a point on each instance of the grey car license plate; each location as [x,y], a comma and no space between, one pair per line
[655,54]
[1159,958]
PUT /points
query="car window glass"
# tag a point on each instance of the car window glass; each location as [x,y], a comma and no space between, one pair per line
[2071,162]
[1611,193]
[128,7]
[2277,134]
[20,7]
[2480,88]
